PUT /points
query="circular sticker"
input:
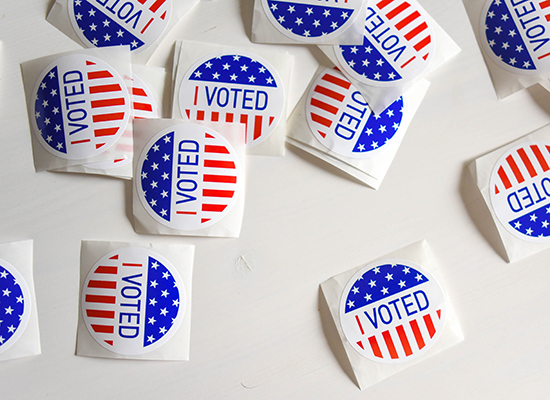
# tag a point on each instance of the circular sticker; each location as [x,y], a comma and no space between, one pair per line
[342,121]
[307,20]
[240,88]
[143,101]
[520,191]
[516,35]
[397,47]
[15,305]
[133,301]
[134,23]
[392,311]
[80,107]
[189,177]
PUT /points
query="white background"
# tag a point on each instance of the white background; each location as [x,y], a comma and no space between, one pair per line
[256,331]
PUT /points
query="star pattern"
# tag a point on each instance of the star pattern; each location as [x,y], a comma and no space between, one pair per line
[12,306]
[535,223]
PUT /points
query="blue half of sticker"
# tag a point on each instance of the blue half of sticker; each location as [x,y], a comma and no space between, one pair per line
[163,302]
[156,176]
[12,305]
[308,20]
[535,223]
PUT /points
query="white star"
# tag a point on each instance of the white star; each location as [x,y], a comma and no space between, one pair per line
[504,17]
[533,217]
[9,310]
[134,43]
[57,128]
[402,284]
[152,321]
[155,265]
[236,58]
[119,33]
[316,23]
[382,128]
[334,25]
[3,274]
[53,92]
[175,302]
[490,14]
[162,330]
[374,144]
[291,9]
[505,45]
[377,76]
[95,41]
[376,270]
[491,42]
[269,80]
[350,303]
[153,203]
[526,64]
[154,166]
[48,139]
[163,212]
[164,194]
[154,283]
[326,13]
[154,184]
[355,290]
[226,66]
[274,7]
[545,224]
[306,33]
[529,231]
[209,65]
[344,14]
[93,26]
[353,50]
[6,292]
[384,290]
[164,293]
[513,61]
[261,70]
[152,302]
[361,147]
[78,16]
[166,275]
[45,103]
[244,68]
[37,114]
[366,62]
[251,78]
[498,30]
[233,77]
[150,339]
[215,75]
[298,21]
[391,75]
[19,299]
[519,48]
[55,110]
[2,340]
[309,11]
[59,146]
[368,297]
[389,277]
[512,33]
[369,131]
[51,75]
[106,23]
[11,329]
[164,312]
[517,225]
[107,37]
[418,277]
[351,63]
[372,283]
[379,62]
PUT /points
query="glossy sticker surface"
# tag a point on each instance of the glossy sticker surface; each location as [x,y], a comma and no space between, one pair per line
[392,311]
[398,45]
[340,118]
[235,88]
[188,177]
[133,301]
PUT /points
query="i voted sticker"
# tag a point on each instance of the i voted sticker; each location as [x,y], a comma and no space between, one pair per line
[340,118]
[188,177]
[15,305]
[80,107]
[143,101]
[398,45]
[392,311]
[235,88]
[310,20]
[133,301]
[520,191]
[516,35]
[134,23]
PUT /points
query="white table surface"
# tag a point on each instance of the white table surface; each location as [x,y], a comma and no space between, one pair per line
[256,331]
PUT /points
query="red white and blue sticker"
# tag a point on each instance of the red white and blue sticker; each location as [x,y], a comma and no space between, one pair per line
[520,191]
[143,101]
[392,311]
[188,177]
[234,87]
[134,23]
[133,301]
[397,46]
[15,305]
[516,34]
[311,20]
[80,107]
[340,118]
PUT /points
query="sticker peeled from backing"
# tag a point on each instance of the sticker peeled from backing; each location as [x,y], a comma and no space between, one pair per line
[392,311]
[15,303]
[340,118]
[240,88]
[80,107]
[309,20]
[188,177]
[133,301]
[516,35]
[134,23]
[520,191]
[398,45]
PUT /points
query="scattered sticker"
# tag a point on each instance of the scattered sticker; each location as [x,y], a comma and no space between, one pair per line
[133,301]
[308,20]
[80,107]
[189,177]
[516,34]
[143,101]
[134,23]
[392,311]
[241,88]
[520,191]
[398,45]
[340,118]
[15,305]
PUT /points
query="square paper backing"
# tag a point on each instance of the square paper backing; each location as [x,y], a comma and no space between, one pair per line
[368,372]
[181,257]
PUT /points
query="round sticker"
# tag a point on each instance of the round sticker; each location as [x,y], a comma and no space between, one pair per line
[133,301]
[342,121]
[80,107]
[15,305]
[308,20]
[189,177]
[134,23]
[397,47]
[392,311]
[516,35]
[520,191]
[240,88]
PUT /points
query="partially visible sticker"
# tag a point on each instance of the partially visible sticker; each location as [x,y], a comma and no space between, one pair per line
[188,177]
[15,305]
[133,301]
[520,191]
[143,100]
[516,35]
[340,118]
[398,45]
[134,23]
[80,107]
[234,87]
[308,20]
[392,311]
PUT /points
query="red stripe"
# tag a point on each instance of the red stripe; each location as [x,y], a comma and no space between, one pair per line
[374,346]
[99,74]
[416,31]
[504,178]
[539,156]
[383,4]
[229,117]
[216,149]
[138,92]
[389,344]
[196,95]
[106,270]
[200,115]
[102,284]
[132,265]
[417,334]
[257,127]
[105,88]
[423,43]
[398,10]
[92,298]
[219,164]
[215,116]
[219,178]
[115,257]
[156,5]
[214,207]
[147,25]
[324,135]
[141,1]
[108,102]
[544,4]
[337,81]
[404,65]
[143,107]
[429,325]
[330,93]
[187,212]
[407,20]
[103,328]
[527,163]
[108,117]
[324,106]
[322,120]
[80,141]
[547,54]
[404,340]
[90,62]
[515,169]
[359,323]
[100,314]
[218,193]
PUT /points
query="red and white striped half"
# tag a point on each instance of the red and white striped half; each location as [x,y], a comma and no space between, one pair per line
[143,101]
